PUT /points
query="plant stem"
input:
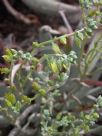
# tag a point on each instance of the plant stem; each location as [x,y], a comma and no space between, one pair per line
[80,59]
[58,38]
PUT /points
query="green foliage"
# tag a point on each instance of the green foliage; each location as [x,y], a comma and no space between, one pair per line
[12,103]
[68,123]
[63,40]
[44,77]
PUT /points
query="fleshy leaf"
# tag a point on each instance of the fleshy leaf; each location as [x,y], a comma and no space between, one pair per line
[56,48]
[63,40]
[10,98]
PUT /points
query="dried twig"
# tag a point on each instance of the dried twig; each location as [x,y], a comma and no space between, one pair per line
[21,129]
[17,14]
[66,22]
[26,113]
[68,26]
[52,8]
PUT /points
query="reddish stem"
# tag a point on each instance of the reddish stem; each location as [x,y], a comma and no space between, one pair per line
[93,82]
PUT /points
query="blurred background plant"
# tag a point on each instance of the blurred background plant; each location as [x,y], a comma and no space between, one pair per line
[46,88]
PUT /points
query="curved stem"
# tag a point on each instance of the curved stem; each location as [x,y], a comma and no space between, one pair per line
[58,38]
